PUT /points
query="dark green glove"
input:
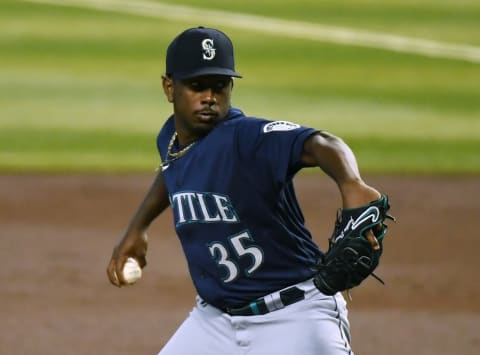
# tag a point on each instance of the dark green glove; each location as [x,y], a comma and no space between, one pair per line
[351,258]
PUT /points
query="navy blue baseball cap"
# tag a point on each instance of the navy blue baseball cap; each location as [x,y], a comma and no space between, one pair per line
[200,51]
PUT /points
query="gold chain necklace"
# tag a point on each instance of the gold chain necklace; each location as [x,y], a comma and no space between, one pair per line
[181,151]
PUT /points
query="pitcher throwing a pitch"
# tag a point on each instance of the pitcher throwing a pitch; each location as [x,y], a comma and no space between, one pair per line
[263,285]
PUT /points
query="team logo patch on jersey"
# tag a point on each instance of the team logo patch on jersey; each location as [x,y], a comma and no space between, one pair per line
[280,126]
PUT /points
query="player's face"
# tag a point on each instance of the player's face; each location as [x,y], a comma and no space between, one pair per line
[198,103]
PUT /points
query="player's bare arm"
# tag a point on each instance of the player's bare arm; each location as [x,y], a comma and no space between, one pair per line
[337,160]
[134,241]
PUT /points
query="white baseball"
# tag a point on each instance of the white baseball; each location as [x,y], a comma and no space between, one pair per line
[132,271]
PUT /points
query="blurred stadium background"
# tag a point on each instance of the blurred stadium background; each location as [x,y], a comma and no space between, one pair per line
[80,86]
[80,107]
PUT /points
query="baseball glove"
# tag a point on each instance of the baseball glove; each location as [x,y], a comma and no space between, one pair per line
[350,258]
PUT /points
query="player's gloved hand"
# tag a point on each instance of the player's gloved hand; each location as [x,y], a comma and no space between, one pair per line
[352,256]
[130,245]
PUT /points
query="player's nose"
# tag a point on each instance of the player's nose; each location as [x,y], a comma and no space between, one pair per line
[208,97]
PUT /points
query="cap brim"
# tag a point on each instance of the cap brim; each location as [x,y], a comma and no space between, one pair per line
[206,71]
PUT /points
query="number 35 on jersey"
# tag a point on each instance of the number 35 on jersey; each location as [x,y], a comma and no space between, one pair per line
[241,246]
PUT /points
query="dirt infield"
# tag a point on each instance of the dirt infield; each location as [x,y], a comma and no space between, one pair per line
[57,233]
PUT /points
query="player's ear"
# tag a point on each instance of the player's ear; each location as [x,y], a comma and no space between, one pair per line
[167,83]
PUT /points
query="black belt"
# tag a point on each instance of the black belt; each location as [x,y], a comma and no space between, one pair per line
[269,303]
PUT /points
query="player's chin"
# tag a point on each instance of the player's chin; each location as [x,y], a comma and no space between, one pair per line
[204,123]
[203,128]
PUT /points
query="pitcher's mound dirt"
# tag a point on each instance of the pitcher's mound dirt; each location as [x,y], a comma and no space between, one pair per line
[57,233]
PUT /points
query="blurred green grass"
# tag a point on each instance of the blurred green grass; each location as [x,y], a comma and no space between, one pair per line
[80,89]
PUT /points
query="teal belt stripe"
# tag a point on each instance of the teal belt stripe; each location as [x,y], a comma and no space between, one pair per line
[254,308]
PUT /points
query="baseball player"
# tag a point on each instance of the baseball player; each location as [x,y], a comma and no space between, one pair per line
[263,285]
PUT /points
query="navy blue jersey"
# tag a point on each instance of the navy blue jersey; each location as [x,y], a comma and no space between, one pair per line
[235,209]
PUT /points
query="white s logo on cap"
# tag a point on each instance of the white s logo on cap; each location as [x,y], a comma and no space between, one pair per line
[208,49]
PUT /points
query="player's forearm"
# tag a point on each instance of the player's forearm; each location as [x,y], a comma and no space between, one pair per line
[337,160]
[154,203]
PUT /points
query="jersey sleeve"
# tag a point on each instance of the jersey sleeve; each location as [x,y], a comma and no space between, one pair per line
[274,145]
